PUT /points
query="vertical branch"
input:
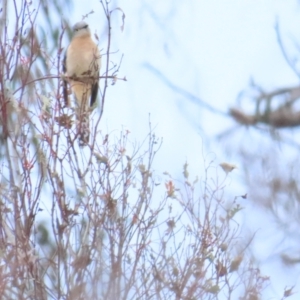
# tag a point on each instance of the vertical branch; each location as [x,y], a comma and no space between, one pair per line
[108,18]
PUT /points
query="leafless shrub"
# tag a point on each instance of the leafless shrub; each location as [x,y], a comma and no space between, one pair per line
[85,223]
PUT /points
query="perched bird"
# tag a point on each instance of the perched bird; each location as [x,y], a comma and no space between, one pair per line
[81,66]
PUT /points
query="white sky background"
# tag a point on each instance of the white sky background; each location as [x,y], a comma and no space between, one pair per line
[211,49]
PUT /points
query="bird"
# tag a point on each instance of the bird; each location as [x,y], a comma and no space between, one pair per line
[81,67]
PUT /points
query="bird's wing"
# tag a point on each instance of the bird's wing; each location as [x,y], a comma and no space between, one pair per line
[65,82]
[94,93]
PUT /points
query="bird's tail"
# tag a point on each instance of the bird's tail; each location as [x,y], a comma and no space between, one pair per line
[82,93]
[83,128]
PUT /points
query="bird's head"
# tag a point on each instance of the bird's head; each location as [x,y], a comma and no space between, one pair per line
[81,29]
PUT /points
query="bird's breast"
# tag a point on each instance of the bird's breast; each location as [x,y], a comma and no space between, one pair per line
[83,58]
